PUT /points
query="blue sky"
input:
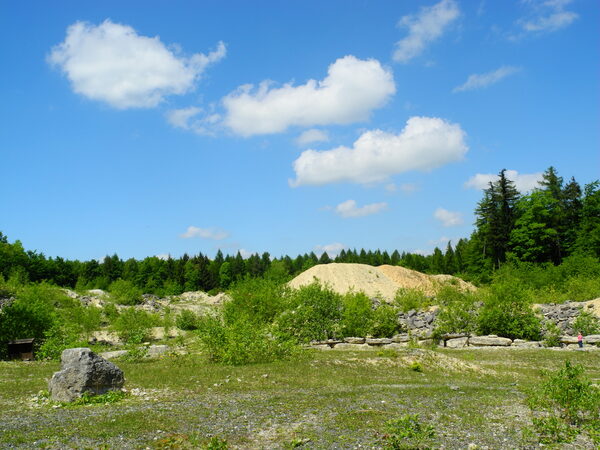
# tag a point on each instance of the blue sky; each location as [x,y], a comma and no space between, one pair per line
[154,128]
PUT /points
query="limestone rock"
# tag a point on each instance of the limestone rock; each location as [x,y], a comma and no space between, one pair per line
[568,339]
[83,371]
[526,344]
[489,341]
[354,340]
[592,339]
[401,338]
[114,354]
[458,342]
[378,341]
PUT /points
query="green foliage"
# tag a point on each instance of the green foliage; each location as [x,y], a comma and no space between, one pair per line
[110,312]
[552,335]
[31,315]
[458,313]
[415,366]
[565,404]
[133,325]
[507,312]
[314,313]
[587,323]
[259,300]
[385,321]
[99,399]
[125,292]
[357,315]
[407,432]
[242,342]
[408,299]
[187,320]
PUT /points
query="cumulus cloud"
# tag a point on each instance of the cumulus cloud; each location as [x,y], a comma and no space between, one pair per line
[311,136]
[424,144]
[424,28]
[351,90]
[331,249]
[482,80]
[190,119]
[349,208]
[111,63]
[204,233]
[524,182]
[548,16]
[448,218]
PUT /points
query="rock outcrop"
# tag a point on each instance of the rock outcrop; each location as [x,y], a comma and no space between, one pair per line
[83,371]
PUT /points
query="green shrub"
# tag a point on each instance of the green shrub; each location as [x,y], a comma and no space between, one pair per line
[133,325]
[241,342]
[31,315]
[110,313]
[259,300]
[125,292]
[407,432]
[507,312]
[314,314]
[458,313]
[565,404]
[552,335]
[587,323]
[408,299]
[385,321]
[357,315]
[187,320]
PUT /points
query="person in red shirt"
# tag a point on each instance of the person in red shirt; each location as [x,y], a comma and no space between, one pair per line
[580,340]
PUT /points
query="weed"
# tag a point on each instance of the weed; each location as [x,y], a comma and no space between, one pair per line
[100,399]
[407,432]
[587,323]
[415,366]
[564,405]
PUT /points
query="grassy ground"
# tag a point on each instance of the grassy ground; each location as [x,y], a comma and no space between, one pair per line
[325,399]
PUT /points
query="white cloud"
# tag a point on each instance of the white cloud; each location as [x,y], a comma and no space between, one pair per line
[424,28]
[349,208]
[164,256]
[478,81]
[312,135]
[113,64]
[205,233]
[332,249]
[409,188]
[424,144]
[351,90]
[548,16]
[523,182]
[448,218]
[186,118]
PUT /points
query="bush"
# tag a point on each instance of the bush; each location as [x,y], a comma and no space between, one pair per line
[31,315]
[385,321]
[241,342]
[259,300]
[458,313]
[507,312]
[587,323]
[357,315]
[407,432]
[187,320]
[552,335]
[133,325]
[125,292]
[314,314]
[408,299]
[565,404]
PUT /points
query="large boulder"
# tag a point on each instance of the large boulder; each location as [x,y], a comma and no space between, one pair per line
[83,371]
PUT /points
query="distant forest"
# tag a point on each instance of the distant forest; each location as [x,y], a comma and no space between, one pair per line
[551,223]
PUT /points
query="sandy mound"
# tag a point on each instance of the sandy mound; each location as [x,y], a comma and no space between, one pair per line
[383,281]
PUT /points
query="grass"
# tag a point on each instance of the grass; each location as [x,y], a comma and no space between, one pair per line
[325,399]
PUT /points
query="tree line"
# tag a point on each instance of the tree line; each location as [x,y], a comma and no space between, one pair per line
[547,225]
